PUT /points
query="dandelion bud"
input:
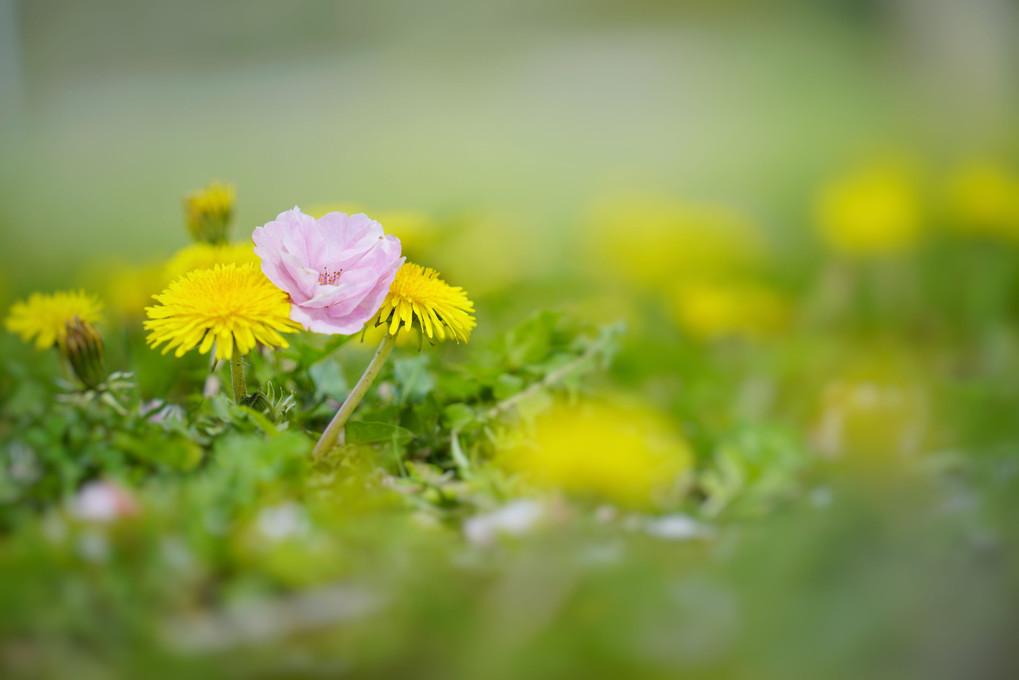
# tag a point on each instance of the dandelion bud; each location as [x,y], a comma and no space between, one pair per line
[83,349]
[209,212]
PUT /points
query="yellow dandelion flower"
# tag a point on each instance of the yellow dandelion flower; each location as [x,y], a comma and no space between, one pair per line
[208,212]
[984,201]
[45,317]
[225,305]
[874,212]
[129,288]
[650,240]
[626,455]
[440,308]
[208,255]
[713,310]
[406,338]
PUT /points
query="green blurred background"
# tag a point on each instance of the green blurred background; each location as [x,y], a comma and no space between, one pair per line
[112,109]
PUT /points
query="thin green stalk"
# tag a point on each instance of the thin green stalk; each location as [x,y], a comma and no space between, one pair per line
[335,428]
[237,376]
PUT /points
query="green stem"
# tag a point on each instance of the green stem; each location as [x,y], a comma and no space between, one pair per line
[335,429]
[237,375]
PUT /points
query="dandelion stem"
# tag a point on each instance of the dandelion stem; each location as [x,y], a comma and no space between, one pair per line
[237,375]
[334,430]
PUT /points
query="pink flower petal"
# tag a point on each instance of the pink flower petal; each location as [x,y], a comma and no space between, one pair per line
[337,269]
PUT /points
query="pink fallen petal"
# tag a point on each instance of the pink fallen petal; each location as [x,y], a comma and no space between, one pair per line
[101,501]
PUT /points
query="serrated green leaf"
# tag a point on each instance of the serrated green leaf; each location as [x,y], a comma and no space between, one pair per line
[529,341]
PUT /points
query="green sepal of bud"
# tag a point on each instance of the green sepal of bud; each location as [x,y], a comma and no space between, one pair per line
[83,349]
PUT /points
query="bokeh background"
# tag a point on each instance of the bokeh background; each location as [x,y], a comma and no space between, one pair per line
[805,214]
[113,110]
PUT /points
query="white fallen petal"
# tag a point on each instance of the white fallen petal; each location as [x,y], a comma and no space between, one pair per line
[677,527]
[514,519]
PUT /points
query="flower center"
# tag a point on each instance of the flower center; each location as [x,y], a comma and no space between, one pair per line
[328,278]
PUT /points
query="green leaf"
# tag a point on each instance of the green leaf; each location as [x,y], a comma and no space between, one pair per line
[529,341]
[263,423]
[457,386]
[459,457]
[506,385]
[359,432]
[751,470]
[329,379]
[534,405]
[306,350]
[413,378]
[458,416]
[272,459]
[220,406]
[163,448]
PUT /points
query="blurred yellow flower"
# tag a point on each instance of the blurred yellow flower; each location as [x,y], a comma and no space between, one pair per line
[650,240]
[872,212]
[624,455]
[129,289]
[712,310]
[439,308]
[984,201]
[610,307]
[45,317]
[208,212]
[522,254]
[417,232]
[207,256]
[225,305]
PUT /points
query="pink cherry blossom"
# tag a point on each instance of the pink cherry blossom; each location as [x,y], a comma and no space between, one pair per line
[337,269]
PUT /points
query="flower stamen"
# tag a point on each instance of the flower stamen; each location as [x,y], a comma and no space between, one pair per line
[328,278]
